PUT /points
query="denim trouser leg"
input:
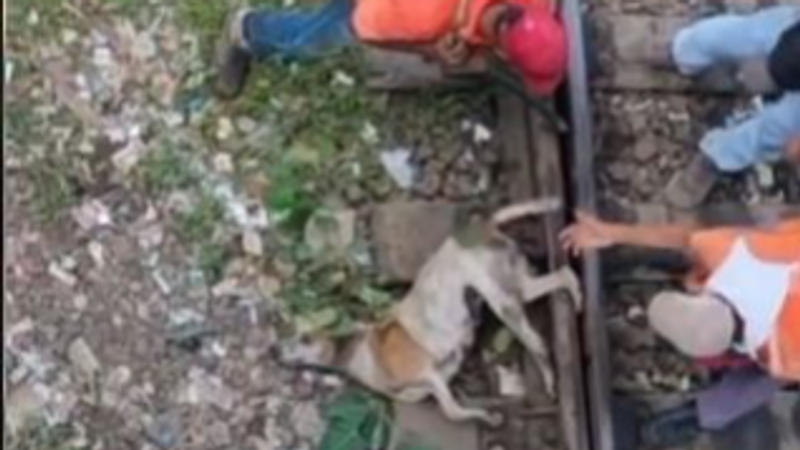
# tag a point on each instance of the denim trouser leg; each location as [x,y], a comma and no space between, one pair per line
[299,33]
[730,38]
[762,137]
[738,393]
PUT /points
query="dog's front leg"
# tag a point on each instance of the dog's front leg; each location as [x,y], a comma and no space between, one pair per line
[534,288]
[451,408]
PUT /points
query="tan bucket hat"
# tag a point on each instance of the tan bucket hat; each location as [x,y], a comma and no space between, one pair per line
[698,325]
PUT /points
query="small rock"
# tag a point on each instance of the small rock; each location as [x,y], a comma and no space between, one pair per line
[251,243]
[645,149]
[246,125]
[150,236]
[80,302]
[207,389]
[652,213]
[620,172]
[407,233]
[510,382]
[57,272]
[68,36]
[82,357]
[635,313]
[306,420]
[219,435]
[330,231]
[91,214]
[164,431]
[268,286]
[96,251]
[224,128]
[130,155]
[223,163]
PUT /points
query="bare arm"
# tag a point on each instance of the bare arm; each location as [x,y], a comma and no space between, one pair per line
[661,236]
[589,232]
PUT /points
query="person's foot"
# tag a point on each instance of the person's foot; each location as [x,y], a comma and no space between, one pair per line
[233,58]
[690,187]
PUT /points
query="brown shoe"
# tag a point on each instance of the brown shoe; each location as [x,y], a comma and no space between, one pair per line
[690,187]
[233,58]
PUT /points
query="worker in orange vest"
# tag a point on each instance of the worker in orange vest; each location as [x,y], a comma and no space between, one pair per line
[742,297]
[743,292]
[524,32]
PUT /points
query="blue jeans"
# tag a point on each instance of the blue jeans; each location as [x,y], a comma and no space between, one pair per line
[299,33]
[728,39]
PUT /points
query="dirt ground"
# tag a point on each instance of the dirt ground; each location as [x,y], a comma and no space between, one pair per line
[159,244]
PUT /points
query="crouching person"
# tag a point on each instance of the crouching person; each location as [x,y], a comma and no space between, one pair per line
[764,50]
[739,313]
[524,32]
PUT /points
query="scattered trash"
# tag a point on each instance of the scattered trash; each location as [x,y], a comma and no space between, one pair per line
[82,357]
[223,163]
[398,164]
[92,214]
[343,79]
[60,274]
[369,133]
[764,176]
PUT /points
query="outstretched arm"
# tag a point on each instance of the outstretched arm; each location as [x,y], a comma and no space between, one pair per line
[589,232]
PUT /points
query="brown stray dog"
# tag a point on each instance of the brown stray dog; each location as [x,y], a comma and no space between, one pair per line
[420,347]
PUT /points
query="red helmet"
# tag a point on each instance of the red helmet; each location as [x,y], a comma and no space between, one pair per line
[536,45]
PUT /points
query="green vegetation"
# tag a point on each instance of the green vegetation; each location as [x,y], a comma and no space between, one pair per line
[164,170]
[53,188]
[40,436]
[358,420]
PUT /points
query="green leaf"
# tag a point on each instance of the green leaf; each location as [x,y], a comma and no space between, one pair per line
[356,421]
[316,320]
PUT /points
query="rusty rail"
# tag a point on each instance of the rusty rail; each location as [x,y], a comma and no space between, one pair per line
[581,146]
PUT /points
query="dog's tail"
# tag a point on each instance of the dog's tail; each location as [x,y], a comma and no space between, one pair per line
[528,208]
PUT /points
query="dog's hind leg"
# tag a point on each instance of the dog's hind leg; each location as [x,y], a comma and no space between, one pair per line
[451,408]
[534,288]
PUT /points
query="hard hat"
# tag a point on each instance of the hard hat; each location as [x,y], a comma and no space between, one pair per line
[698,325]
[536,44]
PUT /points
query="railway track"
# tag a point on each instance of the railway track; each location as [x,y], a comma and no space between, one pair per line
[540,160]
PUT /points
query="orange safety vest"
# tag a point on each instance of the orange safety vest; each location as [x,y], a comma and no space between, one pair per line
[780,354]
[423,21]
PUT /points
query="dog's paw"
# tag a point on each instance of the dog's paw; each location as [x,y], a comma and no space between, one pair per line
[573,285]
[549,382]
[493,419]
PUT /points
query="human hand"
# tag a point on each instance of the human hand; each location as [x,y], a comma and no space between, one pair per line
[588,232]
[452,50]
